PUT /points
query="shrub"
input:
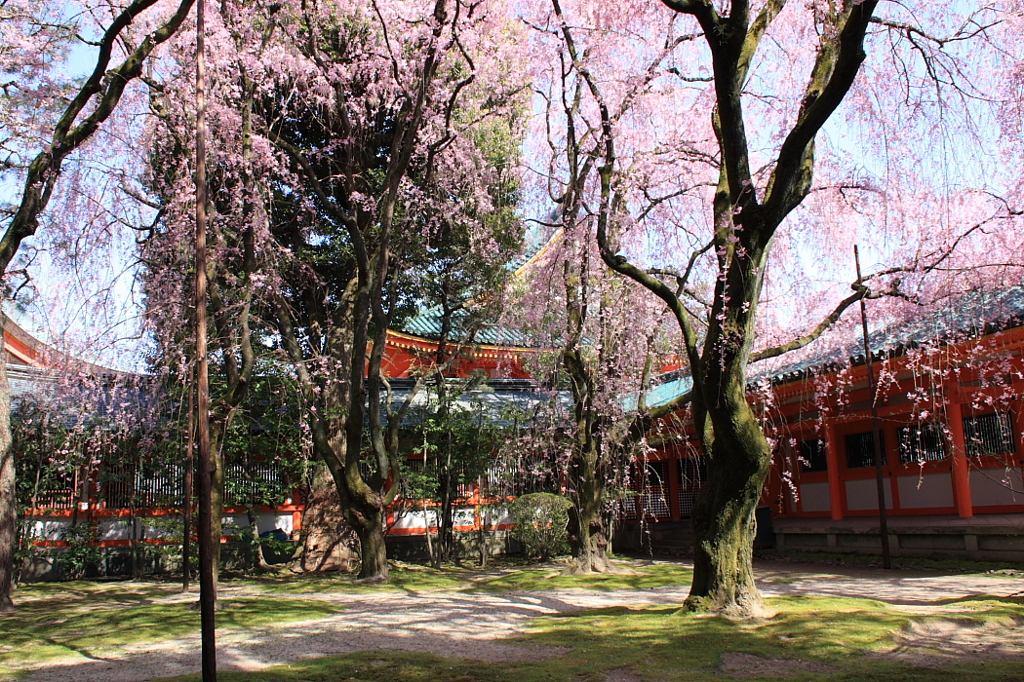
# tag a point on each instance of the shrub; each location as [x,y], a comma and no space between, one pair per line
[81,553]
[540,524]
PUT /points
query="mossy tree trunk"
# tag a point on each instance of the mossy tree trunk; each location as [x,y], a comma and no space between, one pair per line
[719,346]
[586,466]
[723,516]
[588,536]
[373,557]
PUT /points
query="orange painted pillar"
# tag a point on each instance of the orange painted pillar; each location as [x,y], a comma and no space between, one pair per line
[835,484]
[960,473]
[673,486]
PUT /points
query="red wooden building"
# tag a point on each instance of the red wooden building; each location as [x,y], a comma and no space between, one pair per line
[951,412]
[951,418]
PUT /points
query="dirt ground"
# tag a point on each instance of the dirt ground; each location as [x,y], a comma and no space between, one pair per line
[473,625]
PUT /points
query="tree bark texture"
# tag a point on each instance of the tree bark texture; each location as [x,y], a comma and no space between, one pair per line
[723,517]
[588,539]
[373,557]
[327,539]
[588,536]
[8,497]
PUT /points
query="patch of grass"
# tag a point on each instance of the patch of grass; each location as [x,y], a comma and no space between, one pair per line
[540,579]
[394,666]
[665,643]
[85,620]
[985,602]
[841,640]
[113,591]
[404,577]
[414,578]
[1001,569]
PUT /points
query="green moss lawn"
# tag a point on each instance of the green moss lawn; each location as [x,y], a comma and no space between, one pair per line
[84,619]
[810,638]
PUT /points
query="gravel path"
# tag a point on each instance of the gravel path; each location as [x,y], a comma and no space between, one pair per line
[473,625]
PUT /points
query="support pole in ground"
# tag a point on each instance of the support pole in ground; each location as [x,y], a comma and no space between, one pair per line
[189,483]
[883,520]
[207,587]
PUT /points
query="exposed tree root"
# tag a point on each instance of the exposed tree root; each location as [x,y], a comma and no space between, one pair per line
[592,565]
[377,579]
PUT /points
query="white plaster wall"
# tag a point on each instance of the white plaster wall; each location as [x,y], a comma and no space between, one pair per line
[267,520]
[815,497]
[47,529]
[930,490]
[991,487]
[415,520]
[862,493]
[121,528]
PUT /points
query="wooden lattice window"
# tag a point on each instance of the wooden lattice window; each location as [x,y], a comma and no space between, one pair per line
[812,456]
[860,449]
[924,442]
[989,434]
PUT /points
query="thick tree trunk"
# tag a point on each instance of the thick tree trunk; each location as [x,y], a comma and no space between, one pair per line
[8,494]
[369,526]
[588,537]
[327,538]
[589,541]
[723,516]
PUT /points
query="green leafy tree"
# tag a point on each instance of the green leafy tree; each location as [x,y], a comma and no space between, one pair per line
[457,440]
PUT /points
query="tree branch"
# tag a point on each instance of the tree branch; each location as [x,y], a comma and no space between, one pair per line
[835,69]
[45,169]
[830,319]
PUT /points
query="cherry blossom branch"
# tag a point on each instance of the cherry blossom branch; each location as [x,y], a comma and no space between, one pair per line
[314,181]
[823,326]
[292,347]
[104,88]
[733,44]
[608,157]
[654,202]
[835,68]
[682,279]
[941,256]
[962,33]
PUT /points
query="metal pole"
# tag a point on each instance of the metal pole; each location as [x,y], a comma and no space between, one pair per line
[207,587]
[883,521]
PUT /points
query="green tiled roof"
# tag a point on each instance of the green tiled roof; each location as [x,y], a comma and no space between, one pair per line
[427,324]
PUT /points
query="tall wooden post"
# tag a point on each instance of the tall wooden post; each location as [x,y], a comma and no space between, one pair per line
[207,586]
[189,484]
[883,521]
